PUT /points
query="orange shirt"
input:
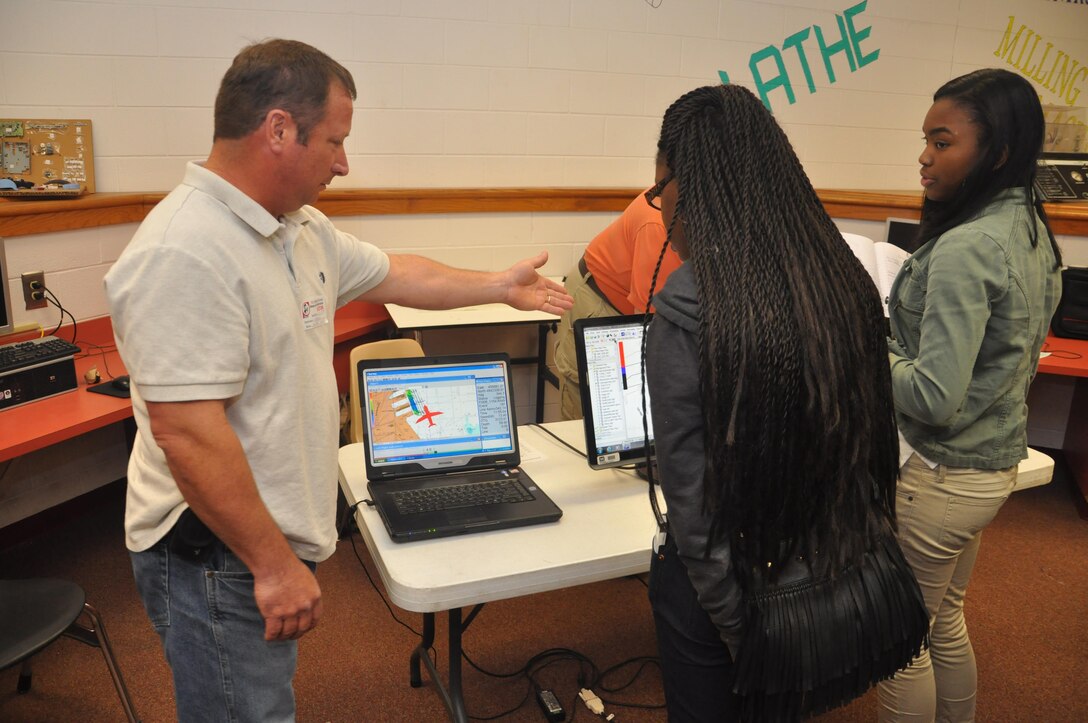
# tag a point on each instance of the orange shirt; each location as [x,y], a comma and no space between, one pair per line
[622,257]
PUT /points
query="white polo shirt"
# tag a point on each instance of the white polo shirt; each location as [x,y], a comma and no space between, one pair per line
[214,298]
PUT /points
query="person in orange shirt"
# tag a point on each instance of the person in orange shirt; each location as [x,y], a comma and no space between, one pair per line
[612,278]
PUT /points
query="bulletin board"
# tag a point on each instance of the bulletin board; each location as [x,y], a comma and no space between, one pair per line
[43,156]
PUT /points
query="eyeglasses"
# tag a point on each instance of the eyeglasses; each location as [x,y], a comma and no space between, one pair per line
[654,193]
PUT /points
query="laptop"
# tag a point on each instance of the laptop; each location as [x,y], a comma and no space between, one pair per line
[441,447]
[901,232]
[609,351]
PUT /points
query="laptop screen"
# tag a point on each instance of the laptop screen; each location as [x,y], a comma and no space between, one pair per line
[610,368]
[901,232]
[440,413]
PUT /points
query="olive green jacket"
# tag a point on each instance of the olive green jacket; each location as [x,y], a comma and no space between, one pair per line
[969,312]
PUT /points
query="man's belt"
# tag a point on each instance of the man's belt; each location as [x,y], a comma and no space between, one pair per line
[590,282]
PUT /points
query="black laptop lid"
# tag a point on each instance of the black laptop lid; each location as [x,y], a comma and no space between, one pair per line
[428,415]
[610,369]
[901,232]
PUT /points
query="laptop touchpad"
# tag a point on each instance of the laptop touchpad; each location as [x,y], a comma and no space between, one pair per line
[466,515]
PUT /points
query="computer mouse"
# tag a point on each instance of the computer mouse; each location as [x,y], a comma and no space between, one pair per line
[121,383]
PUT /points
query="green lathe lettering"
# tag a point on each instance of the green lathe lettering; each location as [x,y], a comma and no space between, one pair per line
[840,46]
[794,41]
[779,81]
[857,35]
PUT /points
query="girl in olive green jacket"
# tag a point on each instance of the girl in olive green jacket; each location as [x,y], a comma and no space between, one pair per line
[969,313]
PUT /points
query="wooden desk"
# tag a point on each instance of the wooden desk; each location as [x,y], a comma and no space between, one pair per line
[606,532]
[45,422]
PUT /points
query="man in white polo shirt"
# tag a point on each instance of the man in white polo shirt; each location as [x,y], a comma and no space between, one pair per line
[222,307]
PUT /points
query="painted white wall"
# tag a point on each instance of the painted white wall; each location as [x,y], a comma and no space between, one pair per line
[519,92]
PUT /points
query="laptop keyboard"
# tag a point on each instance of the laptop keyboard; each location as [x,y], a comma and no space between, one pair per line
[472,494]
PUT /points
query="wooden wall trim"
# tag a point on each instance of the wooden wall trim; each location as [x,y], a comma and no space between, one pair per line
[363,202]
[22,218]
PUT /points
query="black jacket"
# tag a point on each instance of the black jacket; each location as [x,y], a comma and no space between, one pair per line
[672,374]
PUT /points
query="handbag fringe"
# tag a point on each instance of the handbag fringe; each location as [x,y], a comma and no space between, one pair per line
[810,646]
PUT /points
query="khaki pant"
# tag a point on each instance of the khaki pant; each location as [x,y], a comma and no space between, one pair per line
[941,514]
[587,304]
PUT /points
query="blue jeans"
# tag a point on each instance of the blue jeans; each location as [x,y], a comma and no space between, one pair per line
[213,636]
[696,667]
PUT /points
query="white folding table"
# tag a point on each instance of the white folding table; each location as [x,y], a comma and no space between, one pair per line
[606,531]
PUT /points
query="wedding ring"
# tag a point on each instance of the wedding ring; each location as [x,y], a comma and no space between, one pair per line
[548,300]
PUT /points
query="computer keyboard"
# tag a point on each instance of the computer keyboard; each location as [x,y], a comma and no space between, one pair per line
[22,354]
[472,494]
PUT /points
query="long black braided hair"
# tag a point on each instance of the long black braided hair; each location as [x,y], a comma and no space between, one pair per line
[800,436]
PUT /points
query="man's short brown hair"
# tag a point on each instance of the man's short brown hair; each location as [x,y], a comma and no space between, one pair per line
[285,74]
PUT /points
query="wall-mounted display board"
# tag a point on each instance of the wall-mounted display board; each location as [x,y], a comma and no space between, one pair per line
[1066,129]
[46,158]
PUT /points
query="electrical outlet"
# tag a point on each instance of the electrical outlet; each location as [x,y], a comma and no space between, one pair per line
[34,290]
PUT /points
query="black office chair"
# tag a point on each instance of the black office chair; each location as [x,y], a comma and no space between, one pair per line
[35,612]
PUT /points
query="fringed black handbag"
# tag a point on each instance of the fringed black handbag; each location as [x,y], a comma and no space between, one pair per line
[811,645]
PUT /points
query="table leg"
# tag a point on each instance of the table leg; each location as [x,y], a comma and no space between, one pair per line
[453,697]
[426,641]
[455,700]
[452,694]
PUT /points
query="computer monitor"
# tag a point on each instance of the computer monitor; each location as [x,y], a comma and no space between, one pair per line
[609,351]
[901,232]
[7,313]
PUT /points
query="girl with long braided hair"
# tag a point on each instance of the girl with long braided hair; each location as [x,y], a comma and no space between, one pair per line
[772,413]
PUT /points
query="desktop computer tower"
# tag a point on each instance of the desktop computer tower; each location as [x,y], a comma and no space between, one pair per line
[20,386]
